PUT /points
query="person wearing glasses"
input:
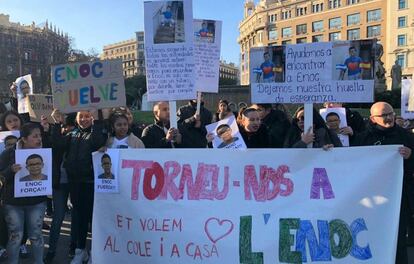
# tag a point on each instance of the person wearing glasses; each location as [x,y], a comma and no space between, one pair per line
[382,130]
[34,164]
[224,132]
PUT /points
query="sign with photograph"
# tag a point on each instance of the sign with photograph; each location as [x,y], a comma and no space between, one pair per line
[335,119]
[24,87]
[8,139]
[226,134]
[105,167]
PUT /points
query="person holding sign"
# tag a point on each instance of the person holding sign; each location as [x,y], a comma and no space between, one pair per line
[122,137]
[383,131]
[23,211]
[253,132]
[319,135]
[14,101]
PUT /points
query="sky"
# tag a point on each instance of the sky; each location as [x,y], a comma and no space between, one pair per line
[95,23]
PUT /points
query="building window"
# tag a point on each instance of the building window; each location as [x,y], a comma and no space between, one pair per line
[273,34]
[317,26]
[334,36]
[301,29]
[402,40]
[301,40]
[373,31]
[317,8]
[401,60]
[335,23]
[374,15]
[353,34]
[286,42]
[334,3]
[402,22]
[402,4]
[317,38]
[351,2]
[353,19]
[286,32]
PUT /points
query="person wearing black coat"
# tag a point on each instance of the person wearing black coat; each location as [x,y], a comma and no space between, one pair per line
[253,132]
[192,126]
[320,137]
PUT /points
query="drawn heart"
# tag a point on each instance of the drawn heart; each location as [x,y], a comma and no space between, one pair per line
[216,229]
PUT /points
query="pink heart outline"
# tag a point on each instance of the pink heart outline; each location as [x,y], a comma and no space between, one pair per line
[220,224]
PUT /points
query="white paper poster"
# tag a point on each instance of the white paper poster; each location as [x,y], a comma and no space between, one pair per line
[8,139]
[252,206]
[226,134]
[332,122]
[407,99]
[207,43]
[35,176]
[313,72]
[105,167]
[169,57]
[24,87]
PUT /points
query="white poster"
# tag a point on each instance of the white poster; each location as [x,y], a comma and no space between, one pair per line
[313,72]
[105,167]
[8,139]
[336,121]
[24,87]
[35,176]
[407,99]
[207,43]
[253,206]
[226,134]
[169,57]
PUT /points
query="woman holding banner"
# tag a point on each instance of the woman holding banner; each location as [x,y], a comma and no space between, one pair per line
[26,211]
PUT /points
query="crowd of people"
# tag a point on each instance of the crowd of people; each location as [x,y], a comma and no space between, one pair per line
[73,137]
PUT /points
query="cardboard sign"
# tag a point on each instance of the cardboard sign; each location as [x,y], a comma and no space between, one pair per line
[407,99]
[207,43]
[226,134]
[169,59]
[341,115]
[88,85]
[251,206]
[35,177]
[24,87]
[313,73]
[11,136]
[38,105]
[105,167]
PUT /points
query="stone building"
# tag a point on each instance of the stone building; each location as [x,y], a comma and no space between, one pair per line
[229,71]
[276,22]
[29,49]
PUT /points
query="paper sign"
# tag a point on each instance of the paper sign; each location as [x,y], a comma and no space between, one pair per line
[105,167]
[252,206]
[35,177]
[38,105]
[169,58]
[88,85]
[8,139]
[332,123]
[24,87]
[207,43]
[407,99]
[313,73]
[226,134]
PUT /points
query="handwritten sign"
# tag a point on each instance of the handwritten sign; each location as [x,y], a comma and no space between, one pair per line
[88,85]
[313,73]
[105,167]
[38,105]
[8,139]
[169,59]
[226,134]
[35,177]
[407,99]
[207,43]
[251,206]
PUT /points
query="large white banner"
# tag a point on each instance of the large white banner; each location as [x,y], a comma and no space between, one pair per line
[251,206]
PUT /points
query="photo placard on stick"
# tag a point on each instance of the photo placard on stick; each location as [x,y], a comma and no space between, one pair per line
[38,105]
[226,134]
[88,85]
[335,119]
[35,176]
[313,72]
[24,87]
[8,139]
[169,57]
[105,167]
[207,43]
[407,99]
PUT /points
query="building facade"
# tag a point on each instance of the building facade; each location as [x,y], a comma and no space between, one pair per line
[131,52]
[31,50]
[229,71]
[277,22]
